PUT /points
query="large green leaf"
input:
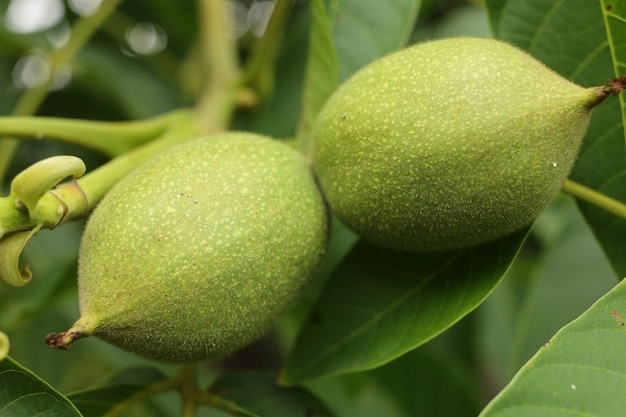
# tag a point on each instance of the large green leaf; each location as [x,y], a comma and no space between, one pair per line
[380,304]
[425,380]
[322,72]
[23,394]
[257,393]
[364,30]
[361,395]
[548,286]
[128,382]
[614,16]
[581,371]
[584,41]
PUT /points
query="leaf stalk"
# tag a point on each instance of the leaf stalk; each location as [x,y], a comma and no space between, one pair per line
[219,59]
[602,201]
[74,199]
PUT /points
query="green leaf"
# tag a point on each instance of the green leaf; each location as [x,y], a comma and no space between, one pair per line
[547,287]
[589,57]
[581,371]
[322,71]
[99,400]
[360,395]
[614,18]
[425,380]
[365,30]
[257,392]
[23,394]
[380,304]
[467,20]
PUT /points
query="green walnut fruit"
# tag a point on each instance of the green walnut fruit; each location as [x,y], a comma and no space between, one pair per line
[449,143]
[197,251]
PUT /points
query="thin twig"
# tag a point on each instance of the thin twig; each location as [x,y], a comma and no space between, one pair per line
[158,388]
[188,390]
[595,198]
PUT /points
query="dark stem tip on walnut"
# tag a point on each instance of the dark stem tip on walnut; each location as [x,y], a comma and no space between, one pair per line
[615,86]
[62,340]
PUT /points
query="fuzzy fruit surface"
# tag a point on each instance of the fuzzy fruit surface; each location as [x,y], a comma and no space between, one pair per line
[449,143]
[196,252]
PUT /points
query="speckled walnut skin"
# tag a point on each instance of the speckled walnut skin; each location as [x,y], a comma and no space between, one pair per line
[448,144]
[196,252]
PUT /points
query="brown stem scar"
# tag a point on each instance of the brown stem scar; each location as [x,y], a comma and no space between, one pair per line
[614,87]
[62,340]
